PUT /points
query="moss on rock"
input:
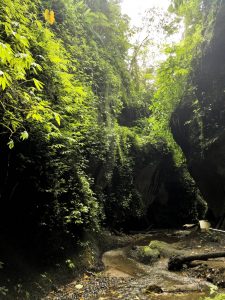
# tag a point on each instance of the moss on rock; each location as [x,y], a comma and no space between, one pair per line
[165,249]
[144,254]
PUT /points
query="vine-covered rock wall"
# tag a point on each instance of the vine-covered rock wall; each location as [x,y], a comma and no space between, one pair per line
[198,123]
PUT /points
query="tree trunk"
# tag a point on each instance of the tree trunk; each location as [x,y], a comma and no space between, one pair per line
[176,262]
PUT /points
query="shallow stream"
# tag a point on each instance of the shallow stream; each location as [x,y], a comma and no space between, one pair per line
[126,278]
[150,281]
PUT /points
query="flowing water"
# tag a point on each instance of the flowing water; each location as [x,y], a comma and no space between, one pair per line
[126,278]
[152,281]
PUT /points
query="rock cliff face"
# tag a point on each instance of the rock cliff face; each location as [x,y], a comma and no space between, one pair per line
[153,192]
[198,123]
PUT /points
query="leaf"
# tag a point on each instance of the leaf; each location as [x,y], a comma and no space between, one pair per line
[36,67]
[57,118]
[5,80]
[84,209]
[24,135]
[51,17]
[148,76]
[11,144]
[79,286]
[187,122]
[35,116]
[38,84]
[46,15]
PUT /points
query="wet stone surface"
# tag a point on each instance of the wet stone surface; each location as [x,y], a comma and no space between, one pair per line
[126,278]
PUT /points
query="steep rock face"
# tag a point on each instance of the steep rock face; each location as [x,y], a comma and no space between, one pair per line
[169,192]
[149,191]
[198,124]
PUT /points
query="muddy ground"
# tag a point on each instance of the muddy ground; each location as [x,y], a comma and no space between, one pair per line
[124,277]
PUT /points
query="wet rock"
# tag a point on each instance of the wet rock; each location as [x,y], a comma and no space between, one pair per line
[144,254]
[154,289]
[209,278]
[221,284]
[151,253]
[165,249]
[150,281]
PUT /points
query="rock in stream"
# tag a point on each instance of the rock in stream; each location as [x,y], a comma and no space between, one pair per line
[126,277]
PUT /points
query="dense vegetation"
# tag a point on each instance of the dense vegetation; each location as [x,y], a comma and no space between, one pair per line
[64,82]
[75,120]
[174,76]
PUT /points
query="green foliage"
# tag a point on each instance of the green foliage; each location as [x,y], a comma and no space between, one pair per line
[70,264]
[20,90]
[173,78]
[66,84]
[3,290]
[63,84]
